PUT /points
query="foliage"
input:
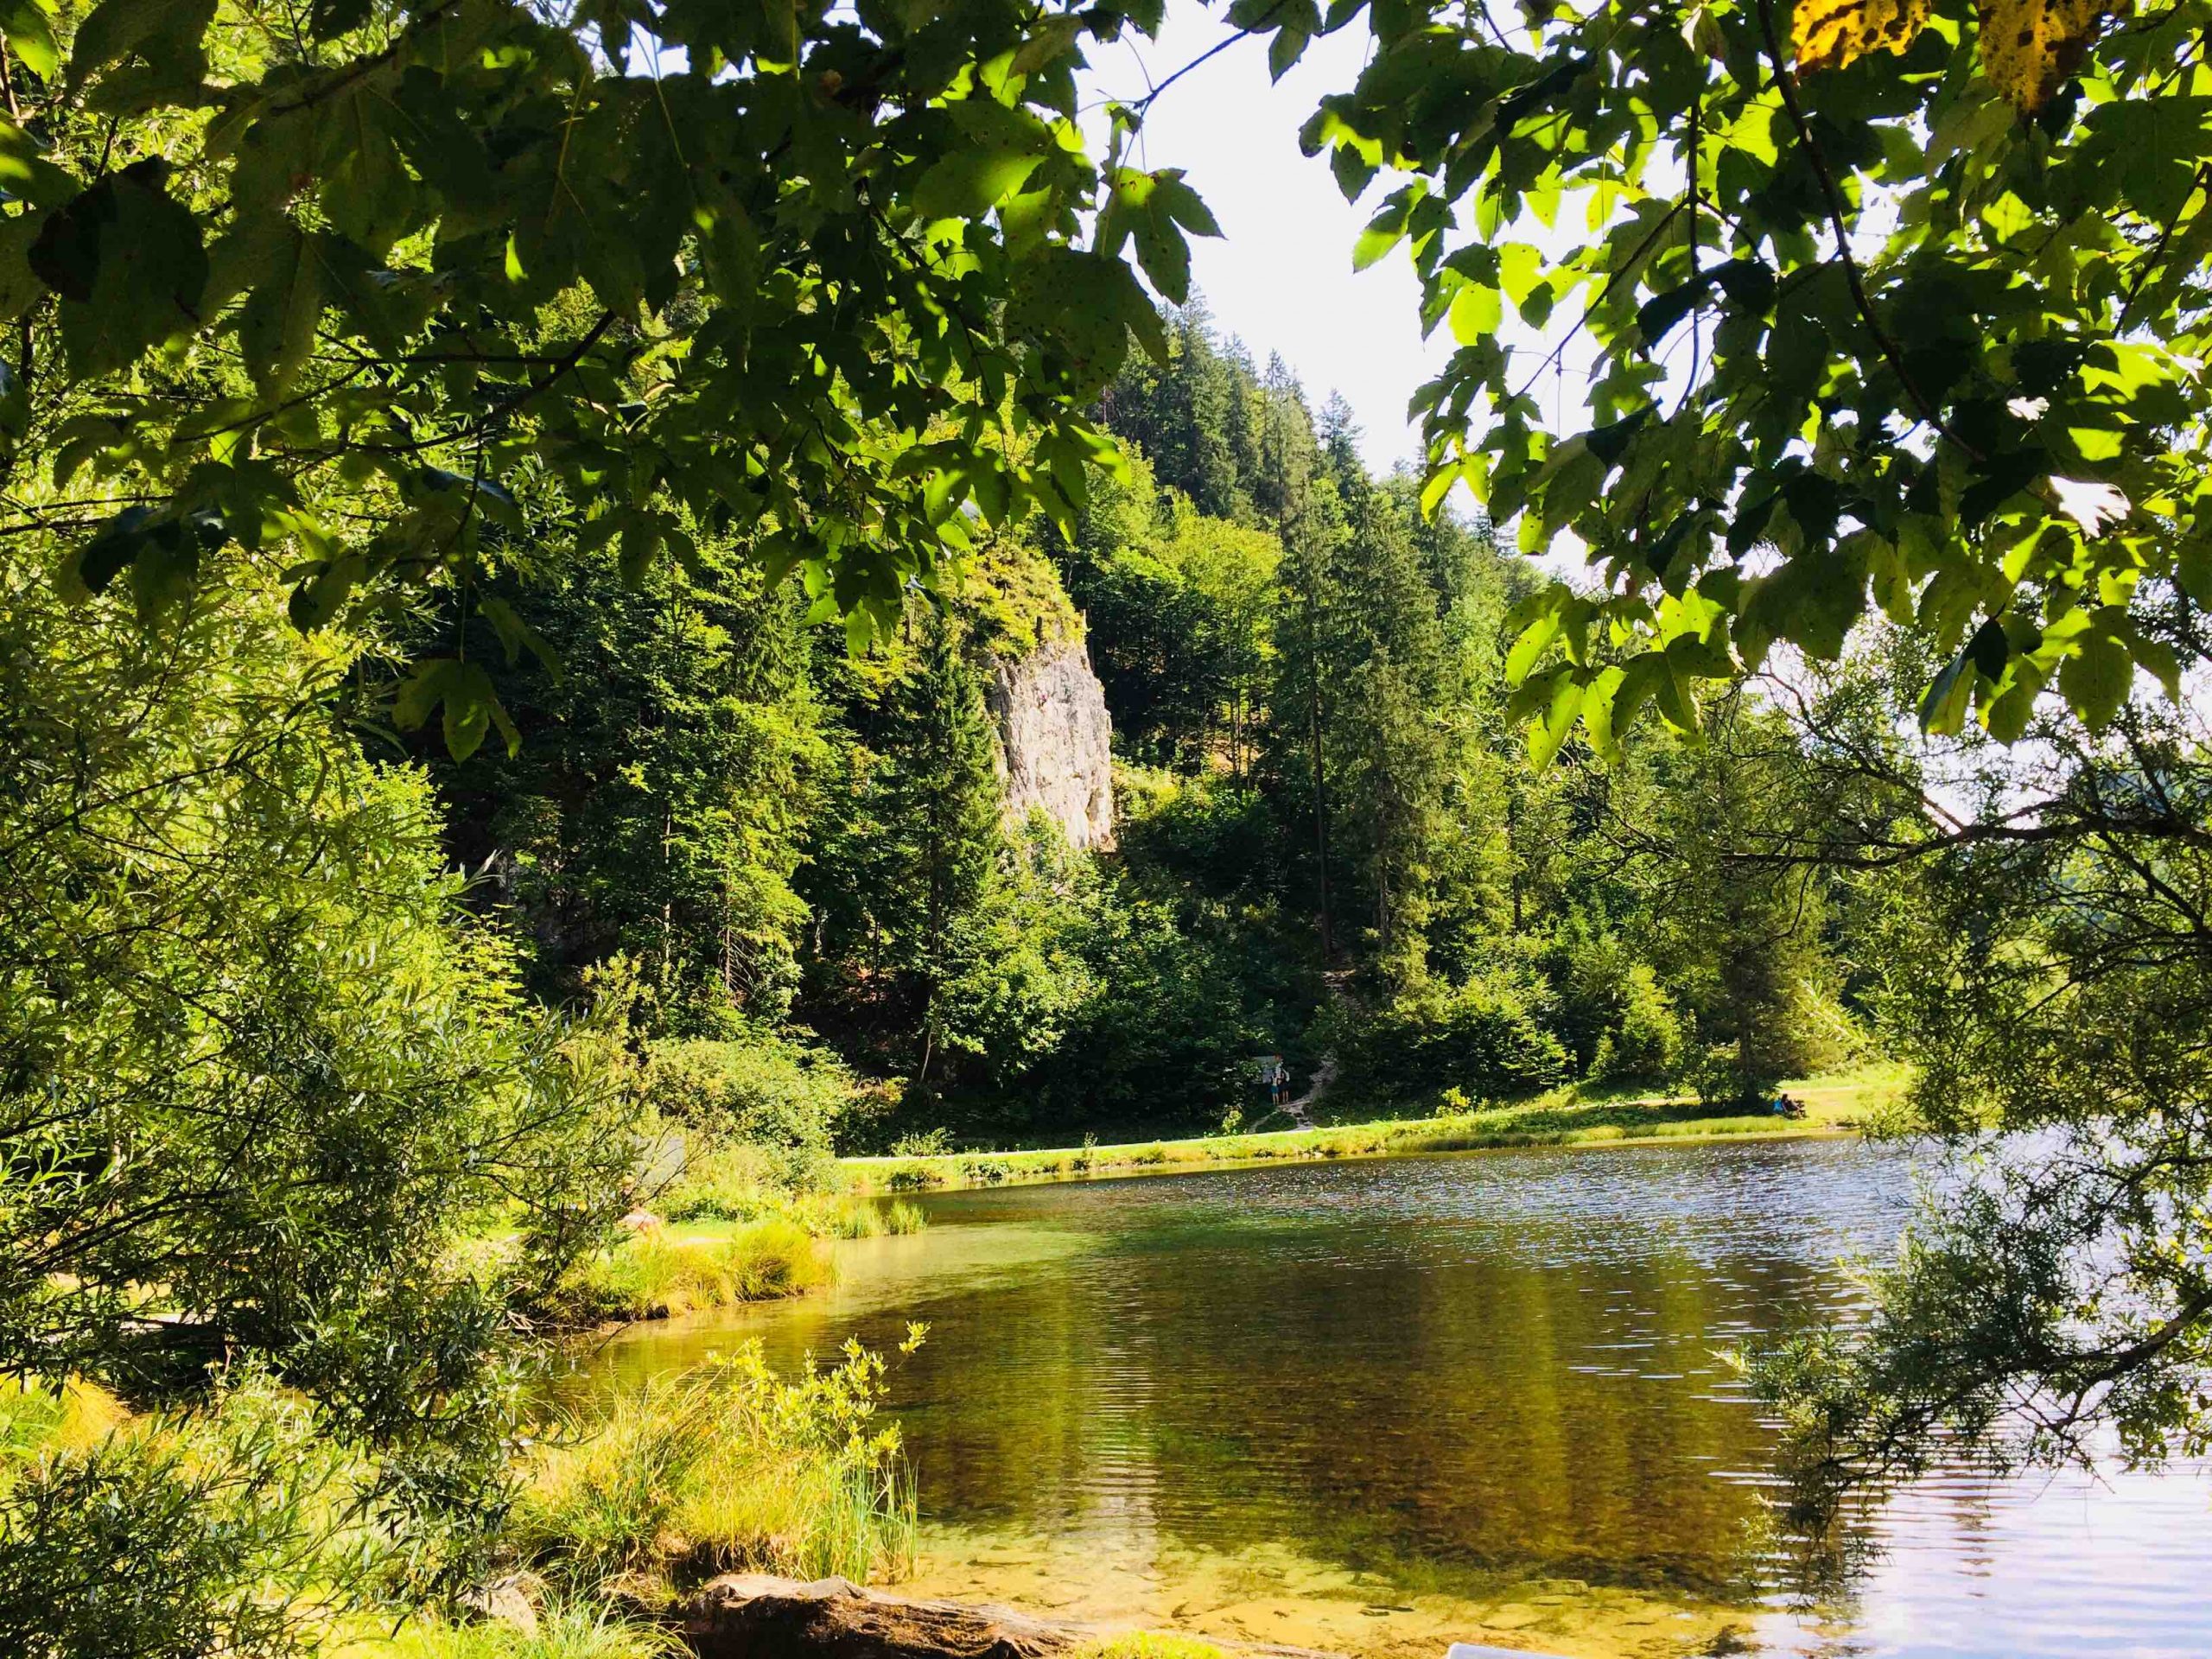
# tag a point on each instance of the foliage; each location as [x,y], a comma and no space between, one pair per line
[362,285]
[727,1468]
[1180,606]
[658,805]
[1617,1022]
[783,1098]
[1486,1035]
[230,1532]
[2043,969]
[1941,301]
[261,1076]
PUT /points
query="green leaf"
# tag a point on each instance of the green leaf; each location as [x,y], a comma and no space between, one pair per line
[1529,648]
[995,151]
[1664,309]
[465,692]
[1943,709]
[277,330]
[2095,677]
[968,183]
[27,174]
[1383,232]
[28,27]
[20,288]
[127,260]
[94,566]
[1476,313]
[1550,732]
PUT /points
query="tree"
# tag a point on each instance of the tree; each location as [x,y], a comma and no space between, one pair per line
[911,842]
[354,284]
[658,805]
[260,1078]
[1888,309]
[1388,742]
[1306,515]
[1741,938]
[1179,616]
[2041,964]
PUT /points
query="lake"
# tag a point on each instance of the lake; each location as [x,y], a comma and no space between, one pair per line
[1373,1406]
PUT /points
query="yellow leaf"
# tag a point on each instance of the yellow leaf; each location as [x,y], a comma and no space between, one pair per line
[2030,47]
[1830,34]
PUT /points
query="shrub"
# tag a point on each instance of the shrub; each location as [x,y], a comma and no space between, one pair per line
[1483,1037]
[728,1181]
[161,1539]
[1645,1042]
[783,1097]
[727,1468]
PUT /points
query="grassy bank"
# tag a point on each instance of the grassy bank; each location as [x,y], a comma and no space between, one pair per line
[1834,1105]
[275,1546]
[726,1230]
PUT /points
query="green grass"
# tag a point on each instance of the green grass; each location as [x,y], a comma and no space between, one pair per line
[1836,1105]
[727,1468]
[570,1630]
[1149,1644]
[674,1270]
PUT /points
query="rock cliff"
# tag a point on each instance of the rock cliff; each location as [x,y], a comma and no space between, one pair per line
[1053,730]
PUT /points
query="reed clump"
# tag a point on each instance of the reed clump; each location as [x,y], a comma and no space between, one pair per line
[725,1468]
[660,1272]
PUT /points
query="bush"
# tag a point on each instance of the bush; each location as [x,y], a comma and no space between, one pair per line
[728,1181]
[727,1468]
[1483,1037]
[782,1096]
[160,1539]
[1645,1043]
[1617,1023]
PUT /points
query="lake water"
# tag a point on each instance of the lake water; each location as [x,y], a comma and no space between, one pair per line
[1373,1406]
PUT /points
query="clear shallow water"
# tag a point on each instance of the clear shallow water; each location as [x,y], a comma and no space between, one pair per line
[1372,1406]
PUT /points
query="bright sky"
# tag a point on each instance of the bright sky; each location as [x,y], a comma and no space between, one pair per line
[1280,278]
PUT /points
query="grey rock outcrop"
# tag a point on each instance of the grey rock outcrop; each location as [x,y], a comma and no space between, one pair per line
[1053,732]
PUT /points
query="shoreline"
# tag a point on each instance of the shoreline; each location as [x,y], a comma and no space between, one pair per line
[1835,1105]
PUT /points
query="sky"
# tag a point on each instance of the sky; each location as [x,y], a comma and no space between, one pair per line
[1281,276]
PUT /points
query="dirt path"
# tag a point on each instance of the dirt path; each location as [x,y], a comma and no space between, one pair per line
[1301,1110]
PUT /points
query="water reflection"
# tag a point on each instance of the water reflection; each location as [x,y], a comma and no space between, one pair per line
[1371,1405]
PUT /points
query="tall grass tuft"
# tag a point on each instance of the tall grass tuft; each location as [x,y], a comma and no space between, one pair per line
[727,1468]
[566,1630]
[661,1274]
[857,1218]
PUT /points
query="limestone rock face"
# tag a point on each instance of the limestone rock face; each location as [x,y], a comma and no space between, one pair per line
[1053,732]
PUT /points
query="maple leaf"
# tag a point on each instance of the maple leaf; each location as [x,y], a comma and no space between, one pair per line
[2030,47]
[1831,34]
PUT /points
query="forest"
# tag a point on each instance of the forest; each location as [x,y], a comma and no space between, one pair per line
[1319,806]
[607,610]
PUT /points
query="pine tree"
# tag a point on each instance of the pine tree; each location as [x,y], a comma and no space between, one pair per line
[941,803]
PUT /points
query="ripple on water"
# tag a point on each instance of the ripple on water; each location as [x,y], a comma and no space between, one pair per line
[1484,1388]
